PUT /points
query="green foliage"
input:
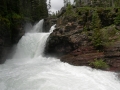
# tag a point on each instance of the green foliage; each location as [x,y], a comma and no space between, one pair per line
[117,3]
[106,15]
[13,13]
[16,16]
[96,22]
[117,19]
[97,39]
[84,9]
[109,31]
[33,9]
[5,26]
[68,9]
[99,64]
[70,14]
[109,35]
[5,21]
[39,10]
[96,25]
[106,3]
[101,36]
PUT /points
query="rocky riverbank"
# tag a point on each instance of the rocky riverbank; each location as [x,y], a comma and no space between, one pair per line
[86,39]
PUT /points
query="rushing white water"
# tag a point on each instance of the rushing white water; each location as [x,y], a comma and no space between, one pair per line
[29,70]
[52,28]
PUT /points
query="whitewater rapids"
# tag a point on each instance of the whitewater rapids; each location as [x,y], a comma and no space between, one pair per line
[29,70]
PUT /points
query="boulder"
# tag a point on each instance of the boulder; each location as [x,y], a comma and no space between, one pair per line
[64,40]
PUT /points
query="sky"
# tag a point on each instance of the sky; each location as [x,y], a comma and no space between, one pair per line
[57,4]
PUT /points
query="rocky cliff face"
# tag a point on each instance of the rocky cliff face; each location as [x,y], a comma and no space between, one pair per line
[5,40]
[74,41]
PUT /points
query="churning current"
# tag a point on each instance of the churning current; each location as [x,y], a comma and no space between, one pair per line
[29,70]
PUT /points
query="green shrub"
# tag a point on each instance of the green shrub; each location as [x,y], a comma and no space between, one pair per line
[16,16]
[99,64]
[5,26]
[97,39]
[109,35]
[70,11]
[96,22]
[96,26]
[5,21]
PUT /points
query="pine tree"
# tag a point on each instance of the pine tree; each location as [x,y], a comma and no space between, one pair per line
[96,25]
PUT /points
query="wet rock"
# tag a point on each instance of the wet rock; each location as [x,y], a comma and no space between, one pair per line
[64,40]
[82,56]
[48,22]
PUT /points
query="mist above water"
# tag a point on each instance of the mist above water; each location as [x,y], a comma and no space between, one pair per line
[29,70]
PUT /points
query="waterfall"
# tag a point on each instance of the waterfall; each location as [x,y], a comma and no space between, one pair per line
[52,28]
[29,70]
[38,27]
